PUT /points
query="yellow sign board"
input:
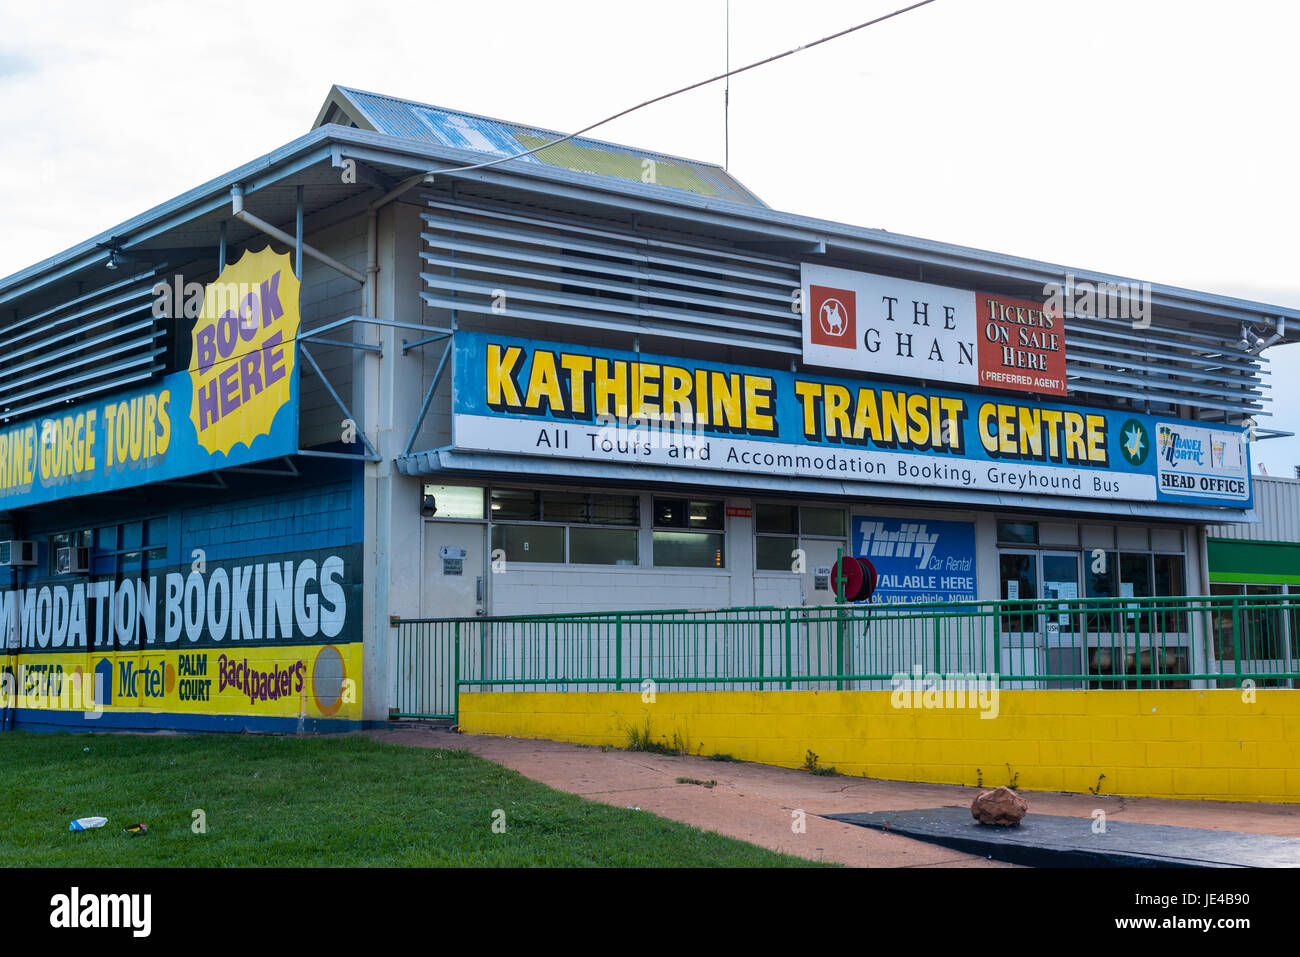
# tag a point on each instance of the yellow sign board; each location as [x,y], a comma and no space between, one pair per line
[242,355]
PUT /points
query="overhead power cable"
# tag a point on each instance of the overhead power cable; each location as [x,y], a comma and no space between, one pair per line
[686,89]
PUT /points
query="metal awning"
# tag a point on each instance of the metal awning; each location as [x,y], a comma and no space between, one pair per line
[449,464]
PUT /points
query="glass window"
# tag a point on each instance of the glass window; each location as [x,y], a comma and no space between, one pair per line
[1021,533]
[1061,580]
[457,501]
[1261,624]
[155,531]
[683,513]
[603,546]
[1134,575]
[822,521]
[1019,575]
[704,515]
[530,543]
[1135,582]
[516,504]
[670,513]
[1169,582]
[1223,618]
[61,540]
[780,519]
[565,507]
[132,535]
[688,549]
[616,509]
[1101,580]
[773,553]
[1169,575]
[580,508]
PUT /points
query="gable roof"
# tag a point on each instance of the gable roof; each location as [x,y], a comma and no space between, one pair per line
[389,115]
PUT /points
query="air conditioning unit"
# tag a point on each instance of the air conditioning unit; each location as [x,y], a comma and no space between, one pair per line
[17,552]
[71,561]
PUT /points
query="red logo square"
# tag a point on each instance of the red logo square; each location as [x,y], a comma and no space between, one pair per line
[833,314]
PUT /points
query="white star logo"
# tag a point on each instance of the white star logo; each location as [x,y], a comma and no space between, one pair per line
[1133,442]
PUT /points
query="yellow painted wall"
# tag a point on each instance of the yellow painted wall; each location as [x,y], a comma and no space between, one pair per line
[1174,744]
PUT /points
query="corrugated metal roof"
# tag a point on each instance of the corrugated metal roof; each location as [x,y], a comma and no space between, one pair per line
[497,138]
[1277,506]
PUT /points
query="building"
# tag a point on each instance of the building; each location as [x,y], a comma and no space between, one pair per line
[1258,560]
[243,431]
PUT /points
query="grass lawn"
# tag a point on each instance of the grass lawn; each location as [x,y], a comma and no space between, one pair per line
[318,802]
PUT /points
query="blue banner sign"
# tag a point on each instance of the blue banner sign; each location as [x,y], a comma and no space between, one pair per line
[528,397]
[237,403]
[123,440]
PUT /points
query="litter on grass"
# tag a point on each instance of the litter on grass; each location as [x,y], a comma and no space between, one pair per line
[86,823]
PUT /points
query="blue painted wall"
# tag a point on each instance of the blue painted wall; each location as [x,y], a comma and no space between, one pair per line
[256,516]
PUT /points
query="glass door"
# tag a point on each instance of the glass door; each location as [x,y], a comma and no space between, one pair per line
[1021,638]
[1061,625]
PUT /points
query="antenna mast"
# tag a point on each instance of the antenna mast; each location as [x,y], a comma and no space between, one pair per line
[726,101]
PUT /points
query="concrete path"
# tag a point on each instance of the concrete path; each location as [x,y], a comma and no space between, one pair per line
[751,802]
[756,803]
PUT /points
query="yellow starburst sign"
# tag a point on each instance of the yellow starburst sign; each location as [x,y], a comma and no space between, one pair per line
[242,356]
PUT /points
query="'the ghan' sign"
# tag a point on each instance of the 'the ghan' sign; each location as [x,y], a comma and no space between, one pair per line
[916,330]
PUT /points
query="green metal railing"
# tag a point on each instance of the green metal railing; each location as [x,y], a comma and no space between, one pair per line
[1083,643]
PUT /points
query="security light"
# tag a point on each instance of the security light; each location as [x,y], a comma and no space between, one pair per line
[428,506]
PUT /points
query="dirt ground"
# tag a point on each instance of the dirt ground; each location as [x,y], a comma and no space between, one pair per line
[757,803]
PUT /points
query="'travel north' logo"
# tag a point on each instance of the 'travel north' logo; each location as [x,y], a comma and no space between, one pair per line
[1175,448]
[835,312]
[1134,443]
[242,356]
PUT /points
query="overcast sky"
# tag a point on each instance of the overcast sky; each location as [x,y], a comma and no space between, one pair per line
[1155,139]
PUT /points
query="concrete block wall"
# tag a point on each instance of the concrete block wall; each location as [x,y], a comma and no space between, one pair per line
[1188,744]
[314,514]
[291,520]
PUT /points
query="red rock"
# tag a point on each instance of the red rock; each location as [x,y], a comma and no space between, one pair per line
[1002,807]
